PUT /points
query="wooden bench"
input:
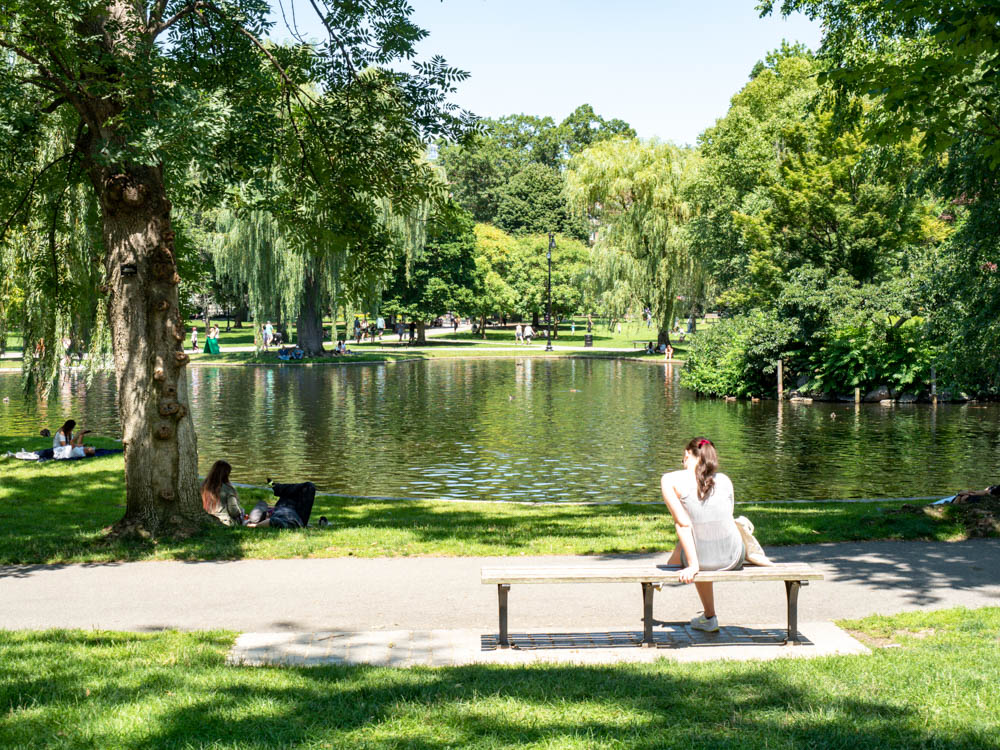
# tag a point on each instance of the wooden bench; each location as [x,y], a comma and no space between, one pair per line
[651,577]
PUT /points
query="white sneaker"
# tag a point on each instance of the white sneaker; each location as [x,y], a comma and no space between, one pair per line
[708,624]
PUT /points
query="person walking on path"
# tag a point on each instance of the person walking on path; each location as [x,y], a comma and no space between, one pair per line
[268,334]
[701,502]
[194,338]
[518,334]
[529,333]
[380,326]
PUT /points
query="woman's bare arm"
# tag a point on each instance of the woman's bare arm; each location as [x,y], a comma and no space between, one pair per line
[682,522]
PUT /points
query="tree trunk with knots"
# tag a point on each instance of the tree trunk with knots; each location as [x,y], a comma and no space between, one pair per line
[161,453]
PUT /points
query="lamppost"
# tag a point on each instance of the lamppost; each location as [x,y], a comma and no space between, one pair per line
[548,338]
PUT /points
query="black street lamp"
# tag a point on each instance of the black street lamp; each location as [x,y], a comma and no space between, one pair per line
[548,338]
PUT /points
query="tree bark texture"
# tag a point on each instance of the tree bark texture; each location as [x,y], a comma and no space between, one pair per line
[310,322]
[161,453]
[421,332]
[668,318]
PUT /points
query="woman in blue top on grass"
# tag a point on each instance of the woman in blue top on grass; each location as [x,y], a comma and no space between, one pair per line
[701,503]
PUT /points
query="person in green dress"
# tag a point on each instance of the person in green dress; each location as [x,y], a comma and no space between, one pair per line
[212,340]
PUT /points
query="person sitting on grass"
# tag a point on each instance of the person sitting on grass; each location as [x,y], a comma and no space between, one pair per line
[650,349]
[341,348]
[701,503]
[67,445]
[292,511]
[219,498]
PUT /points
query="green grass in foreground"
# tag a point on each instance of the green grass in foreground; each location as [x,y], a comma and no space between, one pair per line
[56,511]
[73,689]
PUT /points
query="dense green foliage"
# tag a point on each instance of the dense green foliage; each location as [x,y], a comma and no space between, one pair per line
[922,75]
[481,169]
[809,220]
[441,278]
[512,274]
[634,192]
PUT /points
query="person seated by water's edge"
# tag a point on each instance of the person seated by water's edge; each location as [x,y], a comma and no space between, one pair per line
[219,498]
[67,445]
[292,511]
[650,349]
[701,502]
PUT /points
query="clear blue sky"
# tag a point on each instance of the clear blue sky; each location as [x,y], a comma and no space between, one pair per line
[667,67]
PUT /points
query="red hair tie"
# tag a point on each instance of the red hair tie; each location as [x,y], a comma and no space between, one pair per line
[704,442]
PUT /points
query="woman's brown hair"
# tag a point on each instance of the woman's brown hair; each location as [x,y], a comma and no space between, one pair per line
[217,476]
[708,463]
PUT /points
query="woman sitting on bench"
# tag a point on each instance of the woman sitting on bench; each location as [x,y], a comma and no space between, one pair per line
[701,503]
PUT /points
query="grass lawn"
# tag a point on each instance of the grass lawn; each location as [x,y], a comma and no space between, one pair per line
[56,511]
[935,689]
[604,336]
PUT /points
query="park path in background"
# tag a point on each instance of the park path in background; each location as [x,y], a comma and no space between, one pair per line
[430,593]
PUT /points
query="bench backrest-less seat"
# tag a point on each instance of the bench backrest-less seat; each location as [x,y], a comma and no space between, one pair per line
[650,577]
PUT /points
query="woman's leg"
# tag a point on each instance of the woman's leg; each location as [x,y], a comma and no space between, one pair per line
[707,596]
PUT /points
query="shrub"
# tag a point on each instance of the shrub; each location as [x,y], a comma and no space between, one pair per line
[738,356]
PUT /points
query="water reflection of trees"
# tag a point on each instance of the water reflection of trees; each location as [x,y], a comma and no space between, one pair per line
[559,429]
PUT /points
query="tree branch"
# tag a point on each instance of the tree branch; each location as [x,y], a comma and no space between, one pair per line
[335,39]
[57,84]
[30,190]
[156,13]
[187,10]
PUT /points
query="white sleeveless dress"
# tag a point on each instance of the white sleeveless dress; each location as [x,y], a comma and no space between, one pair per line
[716,538]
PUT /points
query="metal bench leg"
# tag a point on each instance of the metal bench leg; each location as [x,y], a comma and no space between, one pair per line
[792,597]
[647,615]
[502,589]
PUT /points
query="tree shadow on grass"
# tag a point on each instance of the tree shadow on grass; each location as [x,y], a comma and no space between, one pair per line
[188,699]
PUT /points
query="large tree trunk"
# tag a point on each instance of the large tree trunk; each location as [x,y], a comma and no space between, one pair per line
[534,321]
[161,453]
[667,322]
[310,321]
[240,314]
[421,337]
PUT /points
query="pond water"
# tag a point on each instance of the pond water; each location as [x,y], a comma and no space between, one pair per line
[541,430]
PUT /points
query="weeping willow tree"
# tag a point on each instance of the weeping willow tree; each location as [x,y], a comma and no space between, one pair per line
[50,268]
[250,248]
[634,191]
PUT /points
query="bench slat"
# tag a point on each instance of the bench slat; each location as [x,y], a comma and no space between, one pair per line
[631,573]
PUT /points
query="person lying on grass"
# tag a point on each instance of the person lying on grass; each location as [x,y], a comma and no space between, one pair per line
[292,511]
[67,445]
[701,503]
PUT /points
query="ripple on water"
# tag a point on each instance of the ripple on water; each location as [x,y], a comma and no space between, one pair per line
[450,429]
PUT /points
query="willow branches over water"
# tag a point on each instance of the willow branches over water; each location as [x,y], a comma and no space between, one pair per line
[634,193]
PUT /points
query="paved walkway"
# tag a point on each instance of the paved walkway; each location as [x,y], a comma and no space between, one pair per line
[409,600]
